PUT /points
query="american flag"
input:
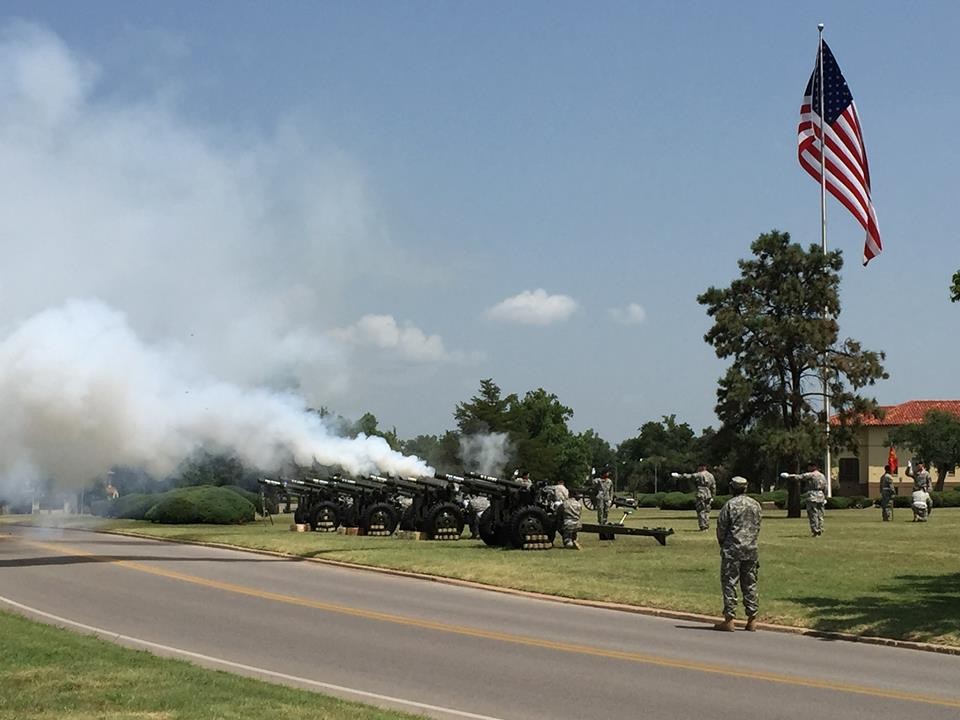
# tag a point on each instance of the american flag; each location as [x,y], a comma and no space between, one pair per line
[845,161]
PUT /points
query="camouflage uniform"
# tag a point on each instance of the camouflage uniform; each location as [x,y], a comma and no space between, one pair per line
[603,489]
[569,510]
[922,481]
[738,527]
[816,486]
[475,505]
[887,492]
[921,504]
[706,489]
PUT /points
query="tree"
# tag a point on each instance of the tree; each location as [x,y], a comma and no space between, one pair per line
[936,441]
[486,412]
[367,425]
[955,288]
[540,439]
[660,448]
[778,323]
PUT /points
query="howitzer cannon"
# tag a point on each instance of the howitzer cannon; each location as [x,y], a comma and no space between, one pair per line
[518,515]
[325,504]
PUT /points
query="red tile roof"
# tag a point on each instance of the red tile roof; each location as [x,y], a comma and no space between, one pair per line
[911,411]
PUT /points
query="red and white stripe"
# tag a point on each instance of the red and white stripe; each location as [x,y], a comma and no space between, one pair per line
[845,167]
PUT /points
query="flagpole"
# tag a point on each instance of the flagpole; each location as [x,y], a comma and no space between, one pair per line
[823,243]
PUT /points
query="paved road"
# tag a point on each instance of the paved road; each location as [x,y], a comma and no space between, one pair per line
[448,651]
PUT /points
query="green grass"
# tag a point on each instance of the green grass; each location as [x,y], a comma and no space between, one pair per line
[863,576]
[52,674]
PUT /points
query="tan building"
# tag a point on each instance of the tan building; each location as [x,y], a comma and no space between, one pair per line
[859,474]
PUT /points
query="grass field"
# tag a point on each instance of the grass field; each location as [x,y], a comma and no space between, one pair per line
[51,674]
[898,579]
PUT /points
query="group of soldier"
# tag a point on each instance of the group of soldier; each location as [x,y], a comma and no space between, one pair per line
[920,501]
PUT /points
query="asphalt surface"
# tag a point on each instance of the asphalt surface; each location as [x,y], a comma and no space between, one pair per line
[447,651]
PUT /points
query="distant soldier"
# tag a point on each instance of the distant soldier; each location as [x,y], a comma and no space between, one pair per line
[887,493]
[603,495]
[706,488]
[920,505]
[816,486]
[474,505]
[523,477]
[921,481]
[569,510]
[738,528]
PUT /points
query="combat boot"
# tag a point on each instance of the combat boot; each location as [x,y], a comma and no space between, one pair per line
[726,625]
[751,623]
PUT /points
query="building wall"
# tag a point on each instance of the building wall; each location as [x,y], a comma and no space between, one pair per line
[872,443]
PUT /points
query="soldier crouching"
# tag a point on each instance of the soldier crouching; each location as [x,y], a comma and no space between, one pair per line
[570,512]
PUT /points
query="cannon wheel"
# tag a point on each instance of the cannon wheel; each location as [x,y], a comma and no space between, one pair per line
[588,502]
[531,521]
[488,533]
[380,519]
[444,521]
[325,517]
[408,520]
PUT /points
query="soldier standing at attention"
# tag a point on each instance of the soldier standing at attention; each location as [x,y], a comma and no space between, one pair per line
[921,481]
[816,498]
[887,491]
[738,528]
[603,495]
[706,489]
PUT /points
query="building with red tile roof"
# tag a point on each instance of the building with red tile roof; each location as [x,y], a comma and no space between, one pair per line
[859,474]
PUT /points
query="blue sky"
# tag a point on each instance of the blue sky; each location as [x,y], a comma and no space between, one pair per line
[419,163]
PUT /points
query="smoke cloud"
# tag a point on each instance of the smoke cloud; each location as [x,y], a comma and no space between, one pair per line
[217,260]
[485,453]
[82,393]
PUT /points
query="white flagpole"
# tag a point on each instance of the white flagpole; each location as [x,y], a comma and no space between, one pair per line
[823,242]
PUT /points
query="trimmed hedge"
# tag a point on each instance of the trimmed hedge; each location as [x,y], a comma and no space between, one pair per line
[202,504]
[129,507]
[678,501]
[253,498]
[648,501]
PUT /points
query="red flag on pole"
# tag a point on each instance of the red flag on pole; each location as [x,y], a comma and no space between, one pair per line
[892,461]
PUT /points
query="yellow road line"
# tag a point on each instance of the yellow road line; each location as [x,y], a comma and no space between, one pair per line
[525,640]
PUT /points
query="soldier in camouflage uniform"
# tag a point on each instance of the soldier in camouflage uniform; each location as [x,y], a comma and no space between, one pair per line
[706,488]
[738,528]
[523,477]
[816,485]
[922,481]
[569,511]
[603,495]
[887,493]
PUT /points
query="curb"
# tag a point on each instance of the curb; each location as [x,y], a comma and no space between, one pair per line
[600,604]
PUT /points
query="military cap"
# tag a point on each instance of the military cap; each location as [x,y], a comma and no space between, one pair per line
[739,481]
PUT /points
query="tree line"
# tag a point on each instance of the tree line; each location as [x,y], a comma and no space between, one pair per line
[778,325]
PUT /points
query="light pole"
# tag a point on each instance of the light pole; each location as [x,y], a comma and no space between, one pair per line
[656,472]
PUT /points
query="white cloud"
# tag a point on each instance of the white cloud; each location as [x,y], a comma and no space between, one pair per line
[534,307]
[632,314]
[382,331]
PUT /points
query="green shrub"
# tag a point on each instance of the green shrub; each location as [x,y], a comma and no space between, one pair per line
[678,501]
[202,504]
[775,496]
[131,507]
[253,498]
[100,508]
[902,501]
[949,498]
[648,501]
[719,500]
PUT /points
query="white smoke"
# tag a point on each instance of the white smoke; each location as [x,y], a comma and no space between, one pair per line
[486,453]
[81,393]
